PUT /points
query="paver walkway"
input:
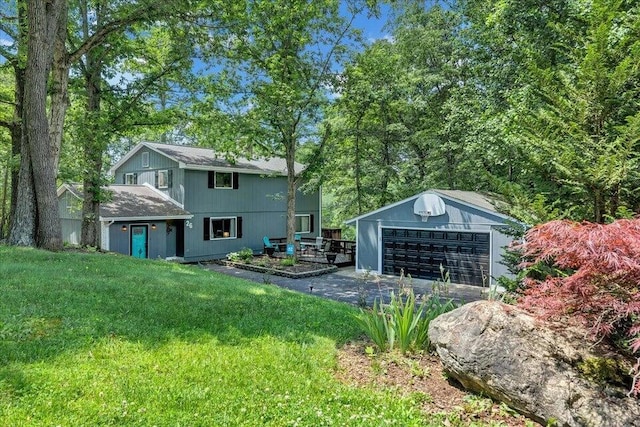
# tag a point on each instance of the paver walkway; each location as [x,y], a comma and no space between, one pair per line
[348,286]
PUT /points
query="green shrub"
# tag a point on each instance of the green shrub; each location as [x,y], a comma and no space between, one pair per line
[376,325]
[288,262]
[431,308]
[243,255]
[402,321]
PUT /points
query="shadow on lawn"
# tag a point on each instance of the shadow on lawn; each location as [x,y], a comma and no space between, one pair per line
[150,303]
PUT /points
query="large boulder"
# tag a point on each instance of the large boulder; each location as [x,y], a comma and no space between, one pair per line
[503,352]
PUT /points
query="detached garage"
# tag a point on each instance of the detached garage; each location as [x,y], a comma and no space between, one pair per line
[459,230]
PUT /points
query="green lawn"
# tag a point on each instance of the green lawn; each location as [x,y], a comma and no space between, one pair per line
[94,339]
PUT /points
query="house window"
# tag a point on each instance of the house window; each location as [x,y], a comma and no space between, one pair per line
[163,179]
[303,224]
[130,178]
[223,228]
[224,180]
[145,159]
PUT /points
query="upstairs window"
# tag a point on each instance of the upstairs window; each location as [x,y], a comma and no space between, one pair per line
[145,159]
[130,178]
[223,180]
[163,179]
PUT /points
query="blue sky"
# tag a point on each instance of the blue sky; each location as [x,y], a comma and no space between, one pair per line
[372,27]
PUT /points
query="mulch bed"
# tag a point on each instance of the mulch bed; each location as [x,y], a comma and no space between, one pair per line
[421,374]
[272,265]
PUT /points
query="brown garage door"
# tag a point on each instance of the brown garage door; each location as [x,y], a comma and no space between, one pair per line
[421,252]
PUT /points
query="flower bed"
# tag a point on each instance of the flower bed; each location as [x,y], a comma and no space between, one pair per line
[267,265]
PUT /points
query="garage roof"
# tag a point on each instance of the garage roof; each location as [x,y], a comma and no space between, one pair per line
[470,198]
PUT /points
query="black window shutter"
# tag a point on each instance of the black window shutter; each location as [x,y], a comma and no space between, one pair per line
[135,178]
[212,179]
[207,228]
[170,178]
[239,227]
[311,223]
[235,180]
[156,179]
[124,178]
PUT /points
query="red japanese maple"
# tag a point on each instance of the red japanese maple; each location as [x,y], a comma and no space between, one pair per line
[597,280]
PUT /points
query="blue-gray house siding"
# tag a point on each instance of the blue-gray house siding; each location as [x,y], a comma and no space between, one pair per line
[157,162]
[257,201]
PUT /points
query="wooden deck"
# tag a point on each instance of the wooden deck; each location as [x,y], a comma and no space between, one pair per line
[344,251]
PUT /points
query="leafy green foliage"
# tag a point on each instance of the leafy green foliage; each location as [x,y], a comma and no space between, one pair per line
[377,326]
[244,255]
[288,262]
[537,104]
[403,323]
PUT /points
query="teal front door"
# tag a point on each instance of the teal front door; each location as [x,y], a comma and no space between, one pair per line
[139,241]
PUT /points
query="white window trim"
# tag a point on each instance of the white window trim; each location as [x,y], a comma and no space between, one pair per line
[129,175]
[166,178]
[235,227]
[145,159]
[308,223]
[215,181]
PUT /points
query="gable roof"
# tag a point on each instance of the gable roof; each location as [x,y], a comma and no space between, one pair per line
[74,188]
[133,203]
[197,158]
[469,198]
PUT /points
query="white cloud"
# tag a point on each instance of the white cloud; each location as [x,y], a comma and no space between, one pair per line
[387,37]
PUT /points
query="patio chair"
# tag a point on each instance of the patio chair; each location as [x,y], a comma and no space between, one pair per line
[268,244]
[319,248]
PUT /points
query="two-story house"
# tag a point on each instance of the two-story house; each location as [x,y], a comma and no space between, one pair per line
[213,205]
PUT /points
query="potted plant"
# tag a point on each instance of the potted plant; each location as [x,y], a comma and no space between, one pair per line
[331,257]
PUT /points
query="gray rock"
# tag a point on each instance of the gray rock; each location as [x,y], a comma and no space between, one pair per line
[503,352]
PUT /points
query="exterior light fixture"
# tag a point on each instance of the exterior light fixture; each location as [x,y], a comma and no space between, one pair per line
[153,226]
[124,228]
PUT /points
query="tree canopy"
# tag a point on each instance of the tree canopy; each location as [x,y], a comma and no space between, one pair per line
[537,103]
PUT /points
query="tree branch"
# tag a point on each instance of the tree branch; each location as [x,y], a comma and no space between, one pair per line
[143,91]
[98,37]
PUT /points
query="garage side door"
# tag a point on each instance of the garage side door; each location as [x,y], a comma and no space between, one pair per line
[421,252]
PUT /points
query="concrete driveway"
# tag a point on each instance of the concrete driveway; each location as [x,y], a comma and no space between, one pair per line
[348,286]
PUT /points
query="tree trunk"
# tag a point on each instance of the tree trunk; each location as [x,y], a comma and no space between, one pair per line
[16,143]
[3,202]
[17,136]
[92,145]
[291,189]
[59,88]
[23,223]
[598,206]
[43,19]
[90,235]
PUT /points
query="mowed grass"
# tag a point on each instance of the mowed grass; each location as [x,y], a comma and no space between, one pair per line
[101,339]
